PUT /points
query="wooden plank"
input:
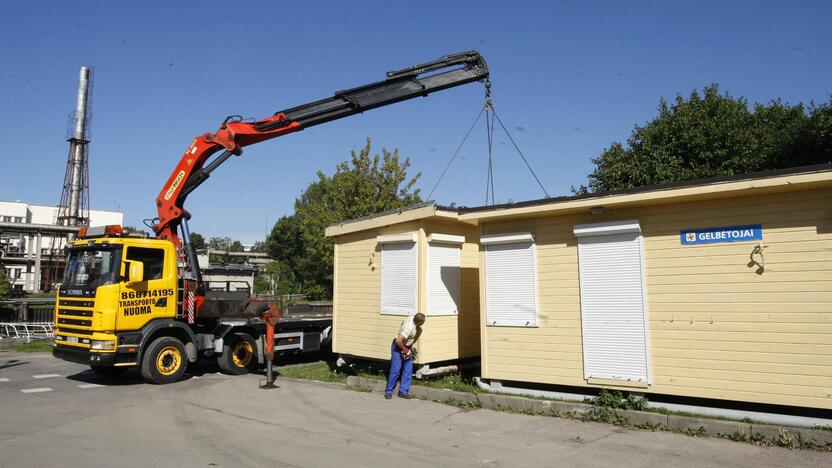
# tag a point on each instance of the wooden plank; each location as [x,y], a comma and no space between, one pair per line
[742,395]
[770,338]
[768,277]
[721,315]
[749,306]
[730,386]
[797,372]
[529,370]
[745,287]
[742,297]
[761,357]
[708,250]
[694,345]
[741,261]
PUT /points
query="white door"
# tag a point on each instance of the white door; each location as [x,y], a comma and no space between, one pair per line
[613,305]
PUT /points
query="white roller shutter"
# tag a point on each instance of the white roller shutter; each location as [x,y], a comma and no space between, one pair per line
[443,279]
[511,295]
[398,278]
[612,304]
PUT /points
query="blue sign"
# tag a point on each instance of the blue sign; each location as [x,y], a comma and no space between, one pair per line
[722,234]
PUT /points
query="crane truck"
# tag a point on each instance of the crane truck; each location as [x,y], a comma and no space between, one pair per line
[132,302]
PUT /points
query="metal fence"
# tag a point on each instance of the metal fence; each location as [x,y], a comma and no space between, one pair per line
[26,331]
[27,310]
[27,319]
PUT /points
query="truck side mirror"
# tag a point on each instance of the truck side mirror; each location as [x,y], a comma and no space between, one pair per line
[136,273]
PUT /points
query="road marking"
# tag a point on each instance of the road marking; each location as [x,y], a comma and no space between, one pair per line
[36,390]
[3,379]
[89,385]
[45,376]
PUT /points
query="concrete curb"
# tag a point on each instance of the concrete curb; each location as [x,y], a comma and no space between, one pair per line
[794,437]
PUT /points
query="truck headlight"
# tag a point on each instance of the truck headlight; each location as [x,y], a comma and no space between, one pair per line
[102,345]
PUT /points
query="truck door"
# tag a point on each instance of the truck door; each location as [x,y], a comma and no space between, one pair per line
[151,298]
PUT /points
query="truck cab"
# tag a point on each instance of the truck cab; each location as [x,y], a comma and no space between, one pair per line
[113,287]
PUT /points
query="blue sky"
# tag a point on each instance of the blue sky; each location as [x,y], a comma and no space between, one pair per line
[569,78]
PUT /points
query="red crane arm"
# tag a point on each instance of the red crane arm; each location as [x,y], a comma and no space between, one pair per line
[232,137]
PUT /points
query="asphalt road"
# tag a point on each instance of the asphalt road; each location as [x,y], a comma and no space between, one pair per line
[54,413]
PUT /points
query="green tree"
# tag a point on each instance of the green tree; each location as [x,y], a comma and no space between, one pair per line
[275,278]
[713,134]
[364,185]
[198,241]
[285,243]
[5,284]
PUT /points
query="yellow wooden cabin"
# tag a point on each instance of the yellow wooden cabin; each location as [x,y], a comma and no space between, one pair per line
[718,289]
[395,264]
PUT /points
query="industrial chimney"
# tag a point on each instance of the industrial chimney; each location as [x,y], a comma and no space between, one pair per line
[75,198]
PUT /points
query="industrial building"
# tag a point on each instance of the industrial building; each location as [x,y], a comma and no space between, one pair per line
[717,289]
[32,240]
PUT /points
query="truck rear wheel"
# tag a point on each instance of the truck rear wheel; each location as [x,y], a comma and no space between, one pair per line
[164,361]
[239,354]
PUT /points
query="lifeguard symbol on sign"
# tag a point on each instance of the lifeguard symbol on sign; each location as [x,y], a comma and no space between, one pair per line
[722,234]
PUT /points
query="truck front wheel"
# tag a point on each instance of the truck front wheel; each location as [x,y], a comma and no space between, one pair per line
[164,361]
[239,354]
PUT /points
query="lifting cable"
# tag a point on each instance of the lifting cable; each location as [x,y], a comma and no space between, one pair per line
[494,111]
[489,131]
[490,116]
[456,152]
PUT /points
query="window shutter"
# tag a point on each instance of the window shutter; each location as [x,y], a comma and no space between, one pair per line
[511,289]
[612,306]
[443,279]
[398,278]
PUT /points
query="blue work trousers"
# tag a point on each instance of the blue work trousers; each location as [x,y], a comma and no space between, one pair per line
[399,367]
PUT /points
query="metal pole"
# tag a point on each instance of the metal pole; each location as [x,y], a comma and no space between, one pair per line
[37,284]
[28,284]
[270,318]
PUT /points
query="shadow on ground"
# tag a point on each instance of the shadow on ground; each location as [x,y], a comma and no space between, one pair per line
[206,366]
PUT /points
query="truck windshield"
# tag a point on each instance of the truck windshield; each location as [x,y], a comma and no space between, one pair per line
[90,268]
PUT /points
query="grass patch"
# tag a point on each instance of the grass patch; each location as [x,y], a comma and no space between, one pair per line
[458,382]
[320,371]
[34,346]
[460,403]
[617,400]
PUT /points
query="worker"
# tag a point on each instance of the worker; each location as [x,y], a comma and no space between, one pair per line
[401,360]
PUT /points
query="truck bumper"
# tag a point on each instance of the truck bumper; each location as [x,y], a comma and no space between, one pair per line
[82,356]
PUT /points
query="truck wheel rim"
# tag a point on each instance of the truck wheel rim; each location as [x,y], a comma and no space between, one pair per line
[168,360]
[242,354]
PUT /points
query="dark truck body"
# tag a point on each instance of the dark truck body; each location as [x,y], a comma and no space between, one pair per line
[302,328]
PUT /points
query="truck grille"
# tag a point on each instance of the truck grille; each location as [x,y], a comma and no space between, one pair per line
[81,323]
[74,317]
[64,331]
